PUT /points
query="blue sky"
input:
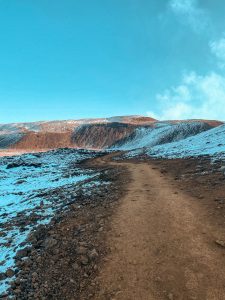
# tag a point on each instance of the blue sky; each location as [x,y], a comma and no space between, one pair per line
[75,59]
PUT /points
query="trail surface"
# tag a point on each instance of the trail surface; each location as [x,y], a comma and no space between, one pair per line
[162,245]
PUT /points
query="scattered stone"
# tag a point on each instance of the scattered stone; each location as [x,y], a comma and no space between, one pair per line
[220,243]
[170,296]
[84,260]
[75,266]
[50,243]
[10,273]
[81,250]
[21,181]
[2,276]
[2,262]
[93,254]
[22,163]
[222,169]
[22,253]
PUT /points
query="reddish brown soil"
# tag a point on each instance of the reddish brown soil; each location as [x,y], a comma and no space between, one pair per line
[99,136]
[44,140]
[139,120]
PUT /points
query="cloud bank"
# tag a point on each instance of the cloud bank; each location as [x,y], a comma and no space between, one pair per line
[196,97]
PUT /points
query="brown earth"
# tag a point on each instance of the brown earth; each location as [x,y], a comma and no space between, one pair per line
[44,140]
[163,239]
[100,136]
[164,243]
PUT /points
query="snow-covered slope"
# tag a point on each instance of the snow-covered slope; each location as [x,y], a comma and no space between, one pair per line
[211,142]
[161,133]
[8,139]
[9,134]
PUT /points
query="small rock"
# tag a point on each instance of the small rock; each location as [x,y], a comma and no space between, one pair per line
[13,285]
[2,276]
[22,253]
[75,266]
[81,250]
[93,254]
[220,243]
[2,262]
[10,273]
[20,181]
[17,291]
[222,169]
[84,260]
[50,242]
[170,296]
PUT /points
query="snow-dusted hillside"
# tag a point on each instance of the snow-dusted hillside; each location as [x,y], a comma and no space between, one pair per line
[161,133]
[9,134]
[8,139]
[211,142]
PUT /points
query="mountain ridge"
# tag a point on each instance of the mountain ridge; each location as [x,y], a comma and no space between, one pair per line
[98,133]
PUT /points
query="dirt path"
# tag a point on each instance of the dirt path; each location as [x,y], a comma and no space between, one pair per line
[162,246]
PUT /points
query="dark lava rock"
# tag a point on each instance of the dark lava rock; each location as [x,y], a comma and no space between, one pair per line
[2,276]
[20,181]
[20,163]
[22,253]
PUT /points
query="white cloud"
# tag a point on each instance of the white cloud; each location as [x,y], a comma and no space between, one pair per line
[218,49]
[196,97]
[189,12]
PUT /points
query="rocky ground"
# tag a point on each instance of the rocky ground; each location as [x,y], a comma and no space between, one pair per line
[64,259]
